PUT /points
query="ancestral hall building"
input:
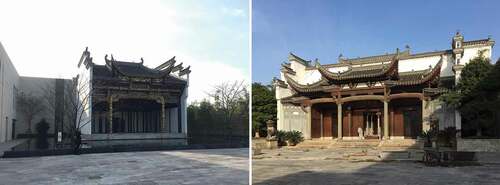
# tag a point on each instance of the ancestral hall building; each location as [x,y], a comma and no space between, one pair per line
[130,103]
[391,96]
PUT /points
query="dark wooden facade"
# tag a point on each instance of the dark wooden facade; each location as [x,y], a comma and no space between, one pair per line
[376,98]
[128,97]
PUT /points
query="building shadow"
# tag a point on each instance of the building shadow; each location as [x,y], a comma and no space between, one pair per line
[391,170]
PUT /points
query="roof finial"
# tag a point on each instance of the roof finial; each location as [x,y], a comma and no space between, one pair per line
[113,59]
[340,56]
[142,60]
[407,47]
[106,57]
[86,49]
[458,32]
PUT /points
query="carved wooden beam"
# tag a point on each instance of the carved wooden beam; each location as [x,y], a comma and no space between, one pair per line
[324,100]
[362,98]
[406,95]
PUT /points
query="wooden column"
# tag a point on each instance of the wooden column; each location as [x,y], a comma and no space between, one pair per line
[378,126]
[386,119]
[425,115]
[321,123]
[110,113]
[392,121]
[162,121]
[179,116]
[339,120]
[349,120]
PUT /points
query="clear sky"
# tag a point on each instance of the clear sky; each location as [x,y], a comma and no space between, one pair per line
[46,38]
[324,29]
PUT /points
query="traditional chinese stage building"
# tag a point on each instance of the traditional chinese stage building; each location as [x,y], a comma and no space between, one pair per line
[130,103]
[390,96]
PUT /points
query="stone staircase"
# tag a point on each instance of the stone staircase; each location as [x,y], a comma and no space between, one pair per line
[402,144]
[367,143]
[370,149]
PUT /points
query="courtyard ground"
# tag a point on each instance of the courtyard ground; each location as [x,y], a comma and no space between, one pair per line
[215,166]
[340,166]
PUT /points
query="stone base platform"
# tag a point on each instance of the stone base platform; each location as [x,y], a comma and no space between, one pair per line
[135,139]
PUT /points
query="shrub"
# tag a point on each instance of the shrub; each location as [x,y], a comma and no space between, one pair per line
[429,136]
[448,135]
[281,136]
[294,137]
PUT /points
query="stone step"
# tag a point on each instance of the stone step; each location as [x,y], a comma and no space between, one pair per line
[403,143]
[356,143]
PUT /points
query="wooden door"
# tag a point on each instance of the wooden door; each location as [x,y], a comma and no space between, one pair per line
[327,123]
[398,123]
[412,123]
[334,124]
[315,123]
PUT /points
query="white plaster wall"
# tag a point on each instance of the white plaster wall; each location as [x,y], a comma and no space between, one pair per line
[9,79]
[418,63]
[444,113]
[447,66]
[282,92]
[174,125]
[471,52]
[311,76]
[294,118]
[299,69]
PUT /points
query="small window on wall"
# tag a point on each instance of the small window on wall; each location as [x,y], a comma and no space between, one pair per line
[458,45]
[458,61]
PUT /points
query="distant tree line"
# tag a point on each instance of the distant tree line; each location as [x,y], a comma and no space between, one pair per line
[222,119]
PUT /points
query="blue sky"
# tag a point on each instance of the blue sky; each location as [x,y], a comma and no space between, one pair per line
[46,38]
[324,29]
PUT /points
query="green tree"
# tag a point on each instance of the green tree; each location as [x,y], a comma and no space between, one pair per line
[468,96]
[263,106]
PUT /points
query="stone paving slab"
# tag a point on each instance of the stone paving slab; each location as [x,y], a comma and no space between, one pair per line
[328,166]
[215,166]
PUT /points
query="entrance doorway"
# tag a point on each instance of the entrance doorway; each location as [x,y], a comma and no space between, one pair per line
[412,123]
[372,125]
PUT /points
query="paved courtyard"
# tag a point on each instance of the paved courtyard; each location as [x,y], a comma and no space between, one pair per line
[216,166]
[331,166]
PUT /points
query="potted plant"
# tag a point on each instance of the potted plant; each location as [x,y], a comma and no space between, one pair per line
[294,137]
[281,137]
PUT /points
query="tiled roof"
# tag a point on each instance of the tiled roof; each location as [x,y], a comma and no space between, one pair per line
[419,77]
[365,73]
[314,87]
[479,42]
[133,69]
[138,70]
[292,57]
[376,58]
[405,79]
